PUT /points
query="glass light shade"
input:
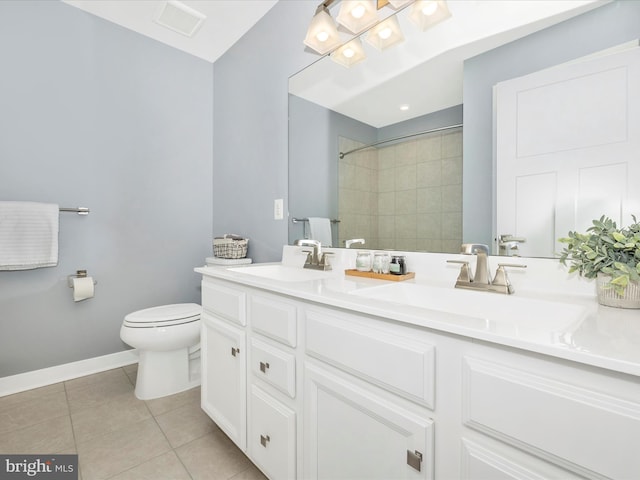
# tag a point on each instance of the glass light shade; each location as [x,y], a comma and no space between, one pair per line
[357,15]
[322,34]
[349,54]
[398,3]
[385,34]
[426,13]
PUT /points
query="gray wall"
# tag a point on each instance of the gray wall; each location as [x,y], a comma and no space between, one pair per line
[94,115]
[313,160]
[250,127]
[604,27]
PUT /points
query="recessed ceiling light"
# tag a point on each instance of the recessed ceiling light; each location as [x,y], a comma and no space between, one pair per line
[404,107]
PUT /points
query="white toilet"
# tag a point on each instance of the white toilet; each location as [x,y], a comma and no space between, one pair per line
[168,343]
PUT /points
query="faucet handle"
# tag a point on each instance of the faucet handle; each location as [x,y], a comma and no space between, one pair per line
[465,274]
[325,258]
[501,280]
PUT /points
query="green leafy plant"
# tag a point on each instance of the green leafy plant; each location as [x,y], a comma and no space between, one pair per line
[605,248]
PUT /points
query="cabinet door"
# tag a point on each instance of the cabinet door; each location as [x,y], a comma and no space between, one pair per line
[352,433]
[224,377]
[272,436]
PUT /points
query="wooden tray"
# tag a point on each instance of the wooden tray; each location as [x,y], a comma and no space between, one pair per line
[380,276]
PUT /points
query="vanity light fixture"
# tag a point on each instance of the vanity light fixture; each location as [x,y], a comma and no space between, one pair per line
[385,34]
[322,35]
[349,54]
[426,13]
[357,15]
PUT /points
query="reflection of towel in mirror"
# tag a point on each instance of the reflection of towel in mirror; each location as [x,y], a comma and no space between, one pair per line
[320,229]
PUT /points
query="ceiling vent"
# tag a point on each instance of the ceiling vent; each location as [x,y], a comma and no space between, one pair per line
[180,18]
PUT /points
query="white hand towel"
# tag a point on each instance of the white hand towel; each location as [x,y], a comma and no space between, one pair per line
[28,235]
[320,229]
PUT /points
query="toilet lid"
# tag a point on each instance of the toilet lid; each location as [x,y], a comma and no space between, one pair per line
[165,313]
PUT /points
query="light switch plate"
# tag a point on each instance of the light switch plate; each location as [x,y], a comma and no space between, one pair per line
[278,209]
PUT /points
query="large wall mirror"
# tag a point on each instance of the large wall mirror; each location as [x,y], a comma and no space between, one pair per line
[427,191]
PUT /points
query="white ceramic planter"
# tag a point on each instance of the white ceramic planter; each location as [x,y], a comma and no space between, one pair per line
[608,296]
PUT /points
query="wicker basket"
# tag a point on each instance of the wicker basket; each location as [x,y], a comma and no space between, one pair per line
[230,246]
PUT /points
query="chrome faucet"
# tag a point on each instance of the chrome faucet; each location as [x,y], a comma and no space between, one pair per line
[508,245]
[348,243]
[482,279]
[315,258]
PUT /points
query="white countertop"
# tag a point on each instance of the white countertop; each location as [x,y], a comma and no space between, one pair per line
[600,336]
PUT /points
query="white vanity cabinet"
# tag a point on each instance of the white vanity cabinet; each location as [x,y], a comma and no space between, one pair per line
[223,357]
[312,390]
[273,397]
[249,372]
[350,432]
[356,423]
[583,420]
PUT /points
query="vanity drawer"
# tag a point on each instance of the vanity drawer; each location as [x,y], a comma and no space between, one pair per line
[224,302]
[582,421]
[274,366]
[273,318]
[272,436]
[396,363]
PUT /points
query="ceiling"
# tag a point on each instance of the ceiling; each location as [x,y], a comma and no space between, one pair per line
[430,62]
[227,21]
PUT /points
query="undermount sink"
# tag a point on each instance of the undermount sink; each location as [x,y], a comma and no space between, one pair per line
[500,313]
[282,273]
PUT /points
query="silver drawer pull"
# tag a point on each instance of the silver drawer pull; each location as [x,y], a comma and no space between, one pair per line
[264,439]
[264,366]
[414,459]
[235,351]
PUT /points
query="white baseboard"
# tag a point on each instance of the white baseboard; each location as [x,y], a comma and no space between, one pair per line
[60,373]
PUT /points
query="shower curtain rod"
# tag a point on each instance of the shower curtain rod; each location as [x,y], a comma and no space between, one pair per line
[342,155]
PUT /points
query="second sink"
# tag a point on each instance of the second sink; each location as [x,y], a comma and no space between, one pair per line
[501,314]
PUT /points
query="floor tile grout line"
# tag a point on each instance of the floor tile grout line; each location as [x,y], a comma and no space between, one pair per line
[153,415]
[31,425]
[73,431]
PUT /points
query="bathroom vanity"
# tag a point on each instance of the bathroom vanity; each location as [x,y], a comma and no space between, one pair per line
[317,375]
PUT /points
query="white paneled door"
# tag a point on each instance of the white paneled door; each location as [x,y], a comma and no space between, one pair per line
[568,149]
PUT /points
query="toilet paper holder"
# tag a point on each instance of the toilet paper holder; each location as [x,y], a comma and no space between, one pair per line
[78,274]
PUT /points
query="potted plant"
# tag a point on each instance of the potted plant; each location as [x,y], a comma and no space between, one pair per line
[612,256]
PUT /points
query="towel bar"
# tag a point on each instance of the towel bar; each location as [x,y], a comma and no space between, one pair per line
[78,210]
[296,220]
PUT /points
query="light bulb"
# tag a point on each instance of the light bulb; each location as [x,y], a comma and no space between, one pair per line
[348,53]
[385,33]
[322,36]
[430,8]
[358,11]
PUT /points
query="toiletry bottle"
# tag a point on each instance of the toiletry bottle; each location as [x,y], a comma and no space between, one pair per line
[398,265]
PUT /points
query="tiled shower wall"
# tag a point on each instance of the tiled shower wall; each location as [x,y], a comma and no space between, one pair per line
[406,196]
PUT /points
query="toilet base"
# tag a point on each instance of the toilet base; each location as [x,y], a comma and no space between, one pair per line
[166,373]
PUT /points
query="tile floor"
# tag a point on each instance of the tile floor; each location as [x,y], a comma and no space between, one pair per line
[119,437]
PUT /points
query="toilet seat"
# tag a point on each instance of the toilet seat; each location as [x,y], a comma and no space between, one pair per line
[164,316]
